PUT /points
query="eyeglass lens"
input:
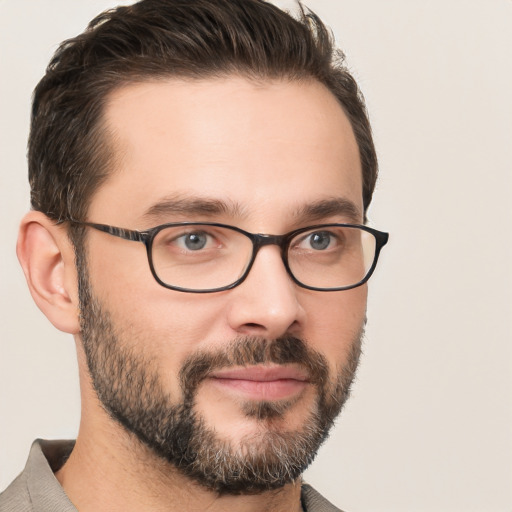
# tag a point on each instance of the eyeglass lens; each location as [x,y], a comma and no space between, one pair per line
[205,257]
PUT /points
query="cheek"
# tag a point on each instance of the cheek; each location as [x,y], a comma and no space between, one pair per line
[335,321]
[164,325]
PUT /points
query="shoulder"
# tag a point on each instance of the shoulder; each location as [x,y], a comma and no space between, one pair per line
[314,502]
[36,488]
[16,497]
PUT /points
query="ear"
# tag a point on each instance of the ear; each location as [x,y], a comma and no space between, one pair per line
[47,257]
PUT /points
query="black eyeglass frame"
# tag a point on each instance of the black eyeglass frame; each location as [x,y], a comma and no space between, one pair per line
[258,241]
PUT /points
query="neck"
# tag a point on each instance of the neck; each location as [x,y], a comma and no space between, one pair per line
[116,473]
[110,470]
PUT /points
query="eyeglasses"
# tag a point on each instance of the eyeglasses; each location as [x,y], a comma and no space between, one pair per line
[205,257]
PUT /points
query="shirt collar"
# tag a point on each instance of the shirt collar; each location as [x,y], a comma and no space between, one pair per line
[43,487]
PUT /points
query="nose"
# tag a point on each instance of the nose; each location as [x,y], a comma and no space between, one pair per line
[266,304]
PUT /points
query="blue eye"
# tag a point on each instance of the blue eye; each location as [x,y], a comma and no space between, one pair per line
[193,241]
[320,240]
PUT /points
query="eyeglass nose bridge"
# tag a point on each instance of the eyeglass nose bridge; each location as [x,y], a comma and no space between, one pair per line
[261,240]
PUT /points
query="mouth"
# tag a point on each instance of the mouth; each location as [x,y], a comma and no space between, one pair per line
[262,383]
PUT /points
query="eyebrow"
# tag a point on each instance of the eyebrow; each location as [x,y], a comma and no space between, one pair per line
[203,206]
[170,206]
[324,208]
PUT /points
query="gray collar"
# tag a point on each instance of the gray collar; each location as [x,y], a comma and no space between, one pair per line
[37,488]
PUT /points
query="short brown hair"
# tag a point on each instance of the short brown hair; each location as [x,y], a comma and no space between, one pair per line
[68,151]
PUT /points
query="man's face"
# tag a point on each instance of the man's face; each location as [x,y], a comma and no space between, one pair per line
[237,388]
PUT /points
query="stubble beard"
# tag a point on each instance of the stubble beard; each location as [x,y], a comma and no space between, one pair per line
[132,393]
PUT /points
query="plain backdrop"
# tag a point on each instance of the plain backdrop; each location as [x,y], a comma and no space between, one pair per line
[429,425]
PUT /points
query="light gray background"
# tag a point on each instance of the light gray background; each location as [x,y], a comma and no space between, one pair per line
[429,426]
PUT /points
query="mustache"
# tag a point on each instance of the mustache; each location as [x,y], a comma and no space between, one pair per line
[247,351]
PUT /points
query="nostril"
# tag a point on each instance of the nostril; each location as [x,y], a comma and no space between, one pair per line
[253,325]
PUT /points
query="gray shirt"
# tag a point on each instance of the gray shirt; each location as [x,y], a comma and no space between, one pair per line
[37,490]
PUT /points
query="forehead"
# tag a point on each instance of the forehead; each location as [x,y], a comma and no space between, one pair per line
[267,147]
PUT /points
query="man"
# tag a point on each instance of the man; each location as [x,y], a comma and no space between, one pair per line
[200,172]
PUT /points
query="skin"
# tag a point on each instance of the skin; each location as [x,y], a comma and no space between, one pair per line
[271,147]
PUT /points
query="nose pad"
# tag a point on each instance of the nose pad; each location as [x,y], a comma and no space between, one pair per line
[266,303]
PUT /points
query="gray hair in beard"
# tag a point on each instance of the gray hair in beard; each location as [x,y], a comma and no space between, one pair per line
[131,391]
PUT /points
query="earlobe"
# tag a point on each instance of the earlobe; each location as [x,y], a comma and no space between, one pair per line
[47,258]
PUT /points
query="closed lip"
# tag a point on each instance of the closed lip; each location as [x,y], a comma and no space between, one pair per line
[262,373]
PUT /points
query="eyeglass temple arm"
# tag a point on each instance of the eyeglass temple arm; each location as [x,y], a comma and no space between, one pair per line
[126,234]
